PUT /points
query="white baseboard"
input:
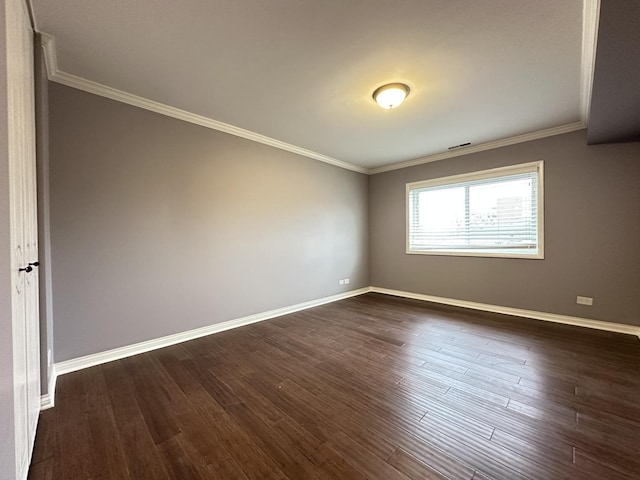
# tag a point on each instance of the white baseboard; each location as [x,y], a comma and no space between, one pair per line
[87,361]
[518,312]
[68,366]
[48,399]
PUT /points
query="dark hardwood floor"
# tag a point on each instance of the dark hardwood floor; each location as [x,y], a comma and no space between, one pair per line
[370,387]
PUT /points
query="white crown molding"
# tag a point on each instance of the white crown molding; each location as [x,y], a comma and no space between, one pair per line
[56,75]
[591,16]
[517,312]
[527,137]
[590,23]
[87,361]
[50,55]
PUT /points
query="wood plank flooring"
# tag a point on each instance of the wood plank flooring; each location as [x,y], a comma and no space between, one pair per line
[372,387]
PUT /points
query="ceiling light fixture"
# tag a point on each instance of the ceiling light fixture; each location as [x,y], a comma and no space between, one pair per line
[391,95]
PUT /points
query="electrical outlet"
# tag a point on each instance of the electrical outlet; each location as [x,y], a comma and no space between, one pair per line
[341,282]
[584,300]
[346,281]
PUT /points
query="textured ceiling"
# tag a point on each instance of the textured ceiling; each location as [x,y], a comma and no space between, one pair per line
[302,71]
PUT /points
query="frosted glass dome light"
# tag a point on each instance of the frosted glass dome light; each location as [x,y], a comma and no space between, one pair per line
[391,95]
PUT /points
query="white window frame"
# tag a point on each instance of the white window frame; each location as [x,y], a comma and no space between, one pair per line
[481,175]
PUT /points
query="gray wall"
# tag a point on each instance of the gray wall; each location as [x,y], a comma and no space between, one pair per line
[159,226]
[44,235]
[7,428]
[592,230]
[615,101]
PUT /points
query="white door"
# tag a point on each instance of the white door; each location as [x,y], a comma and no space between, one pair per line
[24,236]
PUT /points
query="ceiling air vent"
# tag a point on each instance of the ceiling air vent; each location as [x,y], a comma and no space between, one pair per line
[459,146]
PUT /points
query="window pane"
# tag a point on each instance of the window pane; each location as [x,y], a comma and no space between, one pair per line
[440,216]
[501,213]
[494,212]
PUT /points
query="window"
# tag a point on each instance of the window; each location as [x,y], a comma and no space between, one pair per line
[493,213]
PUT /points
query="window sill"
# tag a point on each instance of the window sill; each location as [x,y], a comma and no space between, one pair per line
[487,254]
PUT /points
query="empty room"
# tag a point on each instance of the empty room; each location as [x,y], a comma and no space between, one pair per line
[320,240]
